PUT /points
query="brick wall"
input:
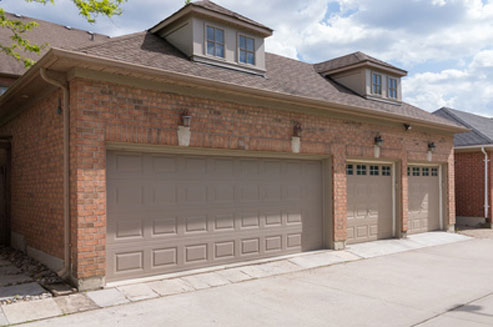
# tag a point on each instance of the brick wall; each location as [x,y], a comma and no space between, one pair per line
[110,112]
[37,175]
[469,183]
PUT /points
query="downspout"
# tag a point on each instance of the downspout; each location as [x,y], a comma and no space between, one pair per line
[486,202]
[65,272]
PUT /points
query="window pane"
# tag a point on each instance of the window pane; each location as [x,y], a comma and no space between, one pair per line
[374,170]
[415,171]
[243,56]
[349,169]
[220,50]
[251,58]
[434,171]
[219,36]
[210,33]
[242,42]
[210,48]
[250,44]
[426,171]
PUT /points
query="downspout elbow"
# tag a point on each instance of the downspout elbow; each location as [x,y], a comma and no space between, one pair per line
[65,272]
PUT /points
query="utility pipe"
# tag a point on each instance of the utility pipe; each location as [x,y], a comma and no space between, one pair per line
[486,202]
[65,272]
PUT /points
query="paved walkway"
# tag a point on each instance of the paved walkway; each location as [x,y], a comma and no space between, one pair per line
[242,284]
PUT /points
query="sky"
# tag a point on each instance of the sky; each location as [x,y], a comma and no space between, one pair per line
[445,45]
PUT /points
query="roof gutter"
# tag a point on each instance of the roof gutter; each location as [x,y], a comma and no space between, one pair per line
[486,202]
[474,147]
[65,272]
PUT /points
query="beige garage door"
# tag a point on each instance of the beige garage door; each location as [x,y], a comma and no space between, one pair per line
[169,213]
[424,199]
[369,202]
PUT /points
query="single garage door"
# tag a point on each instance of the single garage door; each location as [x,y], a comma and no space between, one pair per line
[172,212]
[369,202]
[424,199]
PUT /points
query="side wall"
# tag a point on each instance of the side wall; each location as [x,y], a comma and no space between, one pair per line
[106,112]
[37,180]
[469,183]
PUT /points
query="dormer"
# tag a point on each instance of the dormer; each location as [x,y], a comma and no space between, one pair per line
[211,34]
[367,76]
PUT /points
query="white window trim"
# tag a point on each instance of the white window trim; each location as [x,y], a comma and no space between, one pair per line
[205,41]
[238,50]
[389,78]
[381,83]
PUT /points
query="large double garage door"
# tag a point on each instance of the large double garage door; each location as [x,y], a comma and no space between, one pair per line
[173,212]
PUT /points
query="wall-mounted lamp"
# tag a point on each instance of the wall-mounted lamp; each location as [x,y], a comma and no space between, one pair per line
[296,138]
[431,149]
[378,140]
[376,148]
[407,127]
[184,129]
[186,118]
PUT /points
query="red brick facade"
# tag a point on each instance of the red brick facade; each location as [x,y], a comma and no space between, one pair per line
[104,112]
[37,175]
[469,183]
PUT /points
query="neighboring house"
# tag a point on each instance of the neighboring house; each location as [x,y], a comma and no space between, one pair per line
[473,166]
[188,146]
[47,35]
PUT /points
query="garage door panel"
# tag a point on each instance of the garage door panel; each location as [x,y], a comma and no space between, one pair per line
[185,212]
[424,201]
[369,202]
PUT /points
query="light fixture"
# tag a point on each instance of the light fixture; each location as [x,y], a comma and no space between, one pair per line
[407,127]
[296,138]
[297,129]
[431,149]
[376,148]
[184,132]
[378,140]
[186,118]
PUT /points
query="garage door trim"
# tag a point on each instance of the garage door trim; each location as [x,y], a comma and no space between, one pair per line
[440,186]
[196,151]
[394,185]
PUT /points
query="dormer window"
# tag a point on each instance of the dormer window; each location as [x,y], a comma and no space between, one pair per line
[392,88]
[247,50]
[376,83]
[215,41]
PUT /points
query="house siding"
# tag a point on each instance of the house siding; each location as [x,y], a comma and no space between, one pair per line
[37,176]
[106,112]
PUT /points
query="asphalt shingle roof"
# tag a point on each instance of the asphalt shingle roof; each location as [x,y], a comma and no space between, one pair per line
[349,60]
[46,33]
[283,75]
[482,127]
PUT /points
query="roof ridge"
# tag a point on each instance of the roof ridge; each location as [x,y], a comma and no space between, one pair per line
[52,23]
[452,113]
[111,40]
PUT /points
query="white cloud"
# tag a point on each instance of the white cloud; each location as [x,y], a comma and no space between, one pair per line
[470,89]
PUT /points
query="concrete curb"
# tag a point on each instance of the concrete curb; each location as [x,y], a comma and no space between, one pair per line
[52,307]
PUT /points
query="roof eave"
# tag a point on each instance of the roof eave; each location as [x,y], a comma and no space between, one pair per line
[54,54]
[366,63]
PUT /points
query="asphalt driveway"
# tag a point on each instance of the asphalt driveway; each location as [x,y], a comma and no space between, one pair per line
[447,285]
